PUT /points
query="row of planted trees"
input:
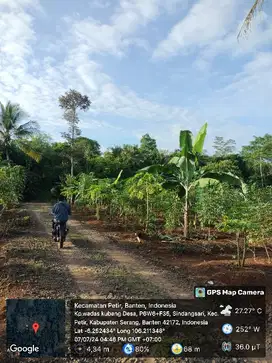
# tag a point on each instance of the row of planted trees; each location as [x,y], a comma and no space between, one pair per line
[181,193]
[142,202]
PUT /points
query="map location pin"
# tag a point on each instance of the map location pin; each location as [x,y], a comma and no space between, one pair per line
[35,327]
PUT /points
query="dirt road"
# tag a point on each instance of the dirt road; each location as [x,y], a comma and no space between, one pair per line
[101,269]
[88,267]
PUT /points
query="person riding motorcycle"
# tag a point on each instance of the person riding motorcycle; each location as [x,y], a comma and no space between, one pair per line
[61,212]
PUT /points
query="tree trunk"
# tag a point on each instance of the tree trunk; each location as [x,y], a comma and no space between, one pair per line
[72,165]
[110,211]
[244,250]
[254,253]
[186,217]
[97,211]
[261,172]
[238,248]
[147,213]
[267,253]
[195,222]
[72,142]
[7,156]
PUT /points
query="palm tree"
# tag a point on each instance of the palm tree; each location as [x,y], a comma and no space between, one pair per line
[257,6]
[11,129]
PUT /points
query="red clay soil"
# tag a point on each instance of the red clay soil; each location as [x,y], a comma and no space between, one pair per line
[202,260]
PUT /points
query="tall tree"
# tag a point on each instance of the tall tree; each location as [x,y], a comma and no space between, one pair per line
[258,155]
[13,130]
[223,147]
[147,143]
[257,6]
[71,102]
[149,150]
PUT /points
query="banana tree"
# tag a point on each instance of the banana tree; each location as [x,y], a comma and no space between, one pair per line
[182,172]
[85,181]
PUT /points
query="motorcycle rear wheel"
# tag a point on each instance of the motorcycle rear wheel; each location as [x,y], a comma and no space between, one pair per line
[62,229]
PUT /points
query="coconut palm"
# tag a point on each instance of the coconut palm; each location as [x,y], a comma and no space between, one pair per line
[13,130]
[248,20]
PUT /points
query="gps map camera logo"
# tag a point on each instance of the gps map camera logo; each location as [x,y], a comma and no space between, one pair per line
[200,292]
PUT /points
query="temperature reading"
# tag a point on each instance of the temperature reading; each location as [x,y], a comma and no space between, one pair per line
[244,310]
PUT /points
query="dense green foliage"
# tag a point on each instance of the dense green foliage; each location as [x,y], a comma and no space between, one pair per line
[141,186]
[12,183]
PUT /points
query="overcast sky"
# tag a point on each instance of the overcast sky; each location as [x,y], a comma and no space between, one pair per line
[148,66]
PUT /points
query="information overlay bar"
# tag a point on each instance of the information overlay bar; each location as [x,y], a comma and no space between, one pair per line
[219,322]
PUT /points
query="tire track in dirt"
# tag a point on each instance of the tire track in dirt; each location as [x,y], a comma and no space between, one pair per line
[82,264]
[76,260]
[85,252]
[148,273]
[84,257]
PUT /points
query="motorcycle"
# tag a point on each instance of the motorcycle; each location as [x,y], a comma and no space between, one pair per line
[59,232]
